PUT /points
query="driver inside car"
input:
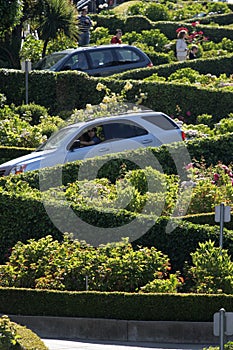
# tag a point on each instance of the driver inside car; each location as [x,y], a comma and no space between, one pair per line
[90,138]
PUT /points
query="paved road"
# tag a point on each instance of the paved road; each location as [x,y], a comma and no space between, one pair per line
[81,345]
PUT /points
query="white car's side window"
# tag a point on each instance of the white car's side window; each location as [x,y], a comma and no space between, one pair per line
[123,130]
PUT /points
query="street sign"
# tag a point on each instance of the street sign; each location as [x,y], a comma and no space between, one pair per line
[26,66]
[228,323]
[226,213]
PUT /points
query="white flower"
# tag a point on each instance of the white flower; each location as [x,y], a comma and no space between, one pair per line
[128,86]
[100,87]
[106,99]
[103,106]
[89,107]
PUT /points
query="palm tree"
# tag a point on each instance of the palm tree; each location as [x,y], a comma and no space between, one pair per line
[59,16]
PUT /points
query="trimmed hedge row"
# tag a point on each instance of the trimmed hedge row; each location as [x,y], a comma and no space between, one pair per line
[56,91]
[215,65]
[24,217]
[71,90]
[120,306]
[206,218]
[168,28]
[221,19]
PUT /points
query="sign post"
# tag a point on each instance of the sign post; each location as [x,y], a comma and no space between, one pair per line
[222,214]
[223,325]
[26,67]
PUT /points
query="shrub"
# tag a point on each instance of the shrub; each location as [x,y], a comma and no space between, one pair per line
[156,12]
[8,335]
[100,35]
[112,267]
[16,337]
[159,285]
[212,269]
[31,113]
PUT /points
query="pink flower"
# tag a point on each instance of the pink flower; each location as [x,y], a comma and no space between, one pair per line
[189,166]
[188,113]
[194,24]
[216,176]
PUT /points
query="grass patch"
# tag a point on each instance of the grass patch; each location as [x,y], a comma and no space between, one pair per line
[122,8]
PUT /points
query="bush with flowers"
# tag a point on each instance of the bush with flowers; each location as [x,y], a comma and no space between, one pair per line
[210,187]
[49,264]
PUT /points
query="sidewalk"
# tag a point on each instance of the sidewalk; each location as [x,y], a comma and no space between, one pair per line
[55,344]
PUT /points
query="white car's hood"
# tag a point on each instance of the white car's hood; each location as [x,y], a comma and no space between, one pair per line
[37,156]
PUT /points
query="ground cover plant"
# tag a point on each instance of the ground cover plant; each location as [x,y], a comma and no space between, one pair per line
[227,346]
[14,336]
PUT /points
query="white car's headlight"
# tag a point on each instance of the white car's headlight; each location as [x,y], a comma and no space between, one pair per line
[18,169]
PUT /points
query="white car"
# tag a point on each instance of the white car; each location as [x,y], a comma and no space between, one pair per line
[115,134]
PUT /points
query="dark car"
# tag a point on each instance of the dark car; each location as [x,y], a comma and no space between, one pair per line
[101,60]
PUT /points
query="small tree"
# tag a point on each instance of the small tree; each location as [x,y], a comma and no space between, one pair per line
[60,16]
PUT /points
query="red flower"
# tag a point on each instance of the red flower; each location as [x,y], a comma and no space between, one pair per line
[194,24]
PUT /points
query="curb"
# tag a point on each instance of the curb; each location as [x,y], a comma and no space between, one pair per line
[119,330]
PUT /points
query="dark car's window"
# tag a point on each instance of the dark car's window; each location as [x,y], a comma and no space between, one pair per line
[102,58]
[77,61]
[122,131]
[161,121]
[49,61]
[127,55]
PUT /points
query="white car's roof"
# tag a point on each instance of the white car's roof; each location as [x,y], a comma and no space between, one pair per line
[125,115]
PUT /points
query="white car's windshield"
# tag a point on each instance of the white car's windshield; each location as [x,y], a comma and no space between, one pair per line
[56,139]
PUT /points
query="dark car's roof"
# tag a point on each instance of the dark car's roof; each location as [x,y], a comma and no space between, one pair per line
[89,48]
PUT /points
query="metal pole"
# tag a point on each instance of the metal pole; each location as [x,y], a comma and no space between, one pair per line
[26,80]
[221,327]
[221,225]
[87,287]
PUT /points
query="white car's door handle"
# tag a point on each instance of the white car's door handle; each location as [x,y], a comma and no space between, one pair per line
[104,149]
[147,141]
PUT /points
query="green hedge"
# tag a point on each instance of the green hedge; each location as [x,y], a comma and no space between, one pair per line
[68,90]
[120,306]
[139,23]
[215,65]
[24,217]
[56,91]
[221,19]
[214,33]
[206,218]
[163,96]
